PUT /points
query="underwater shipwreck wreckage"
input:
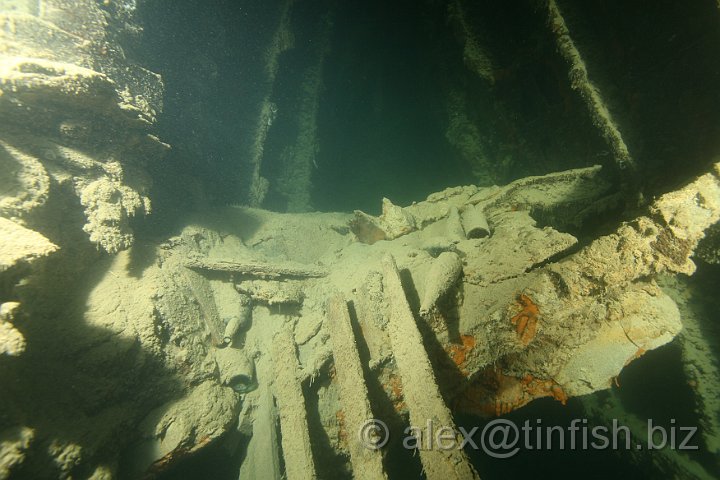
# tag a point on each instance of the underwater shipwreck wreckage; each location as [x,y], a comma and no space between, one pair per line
[257,330]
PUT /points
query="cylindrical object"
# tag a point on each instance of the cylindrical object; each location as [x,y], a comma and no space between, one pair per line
[443,274]
[239,320]
[236,370]
[454,227]
[475,223]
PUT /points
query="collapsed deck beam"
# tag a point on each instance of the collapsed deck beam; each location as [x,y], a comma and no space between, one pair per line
[353,391]
[287,388]
[256,269]
[421,392]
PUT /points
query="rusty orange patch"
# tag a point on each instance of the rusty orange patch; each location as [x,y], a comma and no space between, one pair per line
[494,393]
[526,320]
[459,352]
[639,353]
[395,391]
[342,431]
